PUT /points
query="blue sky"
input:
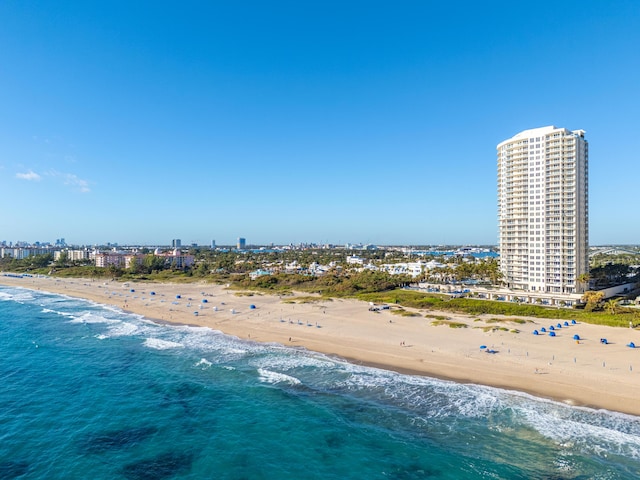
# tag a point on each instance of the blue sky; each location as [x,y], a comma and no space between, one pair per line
[350,121]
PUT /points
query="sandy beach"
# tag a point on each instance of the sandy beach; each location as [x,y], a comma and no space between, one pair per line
[585,372]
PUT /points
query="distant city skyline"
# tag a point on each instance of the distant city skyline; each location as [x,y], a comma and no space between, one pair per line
[303,123]
[169,244]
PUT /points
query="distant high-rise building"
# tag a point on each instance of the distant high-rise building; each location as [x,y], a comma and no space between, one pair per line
[213,244]
[543,209]
[176,243]
[242,243]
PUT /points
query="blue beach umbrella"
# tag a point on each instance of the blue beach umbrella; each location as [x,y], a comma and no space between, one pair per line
[535,332]
[552,334]
[576,337]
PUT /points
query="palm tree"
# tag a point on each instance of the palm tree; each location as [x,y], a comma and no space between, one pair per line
[611,306]
[592,299]
[584,279]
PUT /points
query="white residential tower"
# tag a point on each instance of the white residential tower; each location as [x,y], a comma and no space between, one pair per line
[543,209]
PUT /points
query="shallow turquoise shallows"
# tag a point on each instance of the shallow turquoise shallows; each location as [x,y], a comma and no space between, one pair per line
[90,392]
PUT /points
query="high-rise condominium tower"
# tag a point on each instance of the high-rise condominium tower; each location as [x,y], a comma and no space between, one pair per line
[543,209]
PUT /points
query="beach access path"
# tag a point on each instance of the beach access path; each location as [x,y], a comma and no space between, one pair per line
[582,372]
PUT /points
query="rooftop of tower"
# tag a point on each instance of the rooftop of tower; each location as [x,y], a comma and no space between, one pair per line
[540,131]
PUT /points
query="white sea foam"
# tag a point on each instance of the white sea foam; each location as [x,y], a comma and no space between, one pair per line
[203,339]
[5,296]
[292,359]
[19,295]
[92,318]
[122,329]
[203,363]
[57,312]
[596,431]
[159,344]
[268,376]
[599,432]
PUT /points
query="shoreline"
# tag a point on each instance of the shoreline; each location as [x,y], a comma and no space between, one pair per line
[578,373]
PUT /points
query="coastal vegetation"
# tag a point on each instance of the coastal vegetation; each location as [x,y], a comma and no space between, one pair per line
[449,323]
[405,313]
[287,273]
[520,321]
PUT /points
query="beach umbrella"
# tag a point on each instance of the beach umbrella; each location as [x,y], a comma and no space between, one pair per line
[566,324]
[552,327]
[482,347]
[152,293]
[631,345]
[559,326]
[543,330]
[535,332]
[552,334]
[573,322]
[204,300]
[252,306]
[178,296]
[132,290]
[576,337]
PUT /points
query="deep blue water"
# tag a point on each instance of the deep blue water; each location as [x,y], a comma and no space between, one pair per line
[90,392]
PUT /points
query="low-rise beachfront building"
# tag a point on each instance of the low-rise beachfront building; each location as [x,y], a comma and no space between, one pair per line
[293,267]
[174,259]
[355,260]
[73,255]
[104,260]
[177,259]
[316,269]
[23,252]
[503,294]
[259,273]
[413,269]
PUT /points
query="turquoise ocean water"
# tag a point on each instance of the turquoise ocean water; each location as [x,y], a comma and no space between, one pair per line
[90,392]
